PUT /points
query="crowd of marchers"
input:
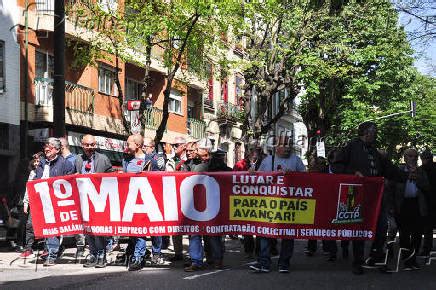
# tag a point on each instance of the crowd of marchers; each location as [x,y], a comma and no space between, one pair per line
[408,204]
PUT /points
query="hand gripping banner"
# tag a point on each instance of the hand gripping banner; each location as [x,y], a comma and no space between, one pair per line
[270,204]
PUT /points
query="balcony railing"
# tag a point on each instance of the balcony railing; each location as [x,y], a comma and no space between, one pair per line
[77,97]
[208,104]
[230,112]
[45,6]
[152,118]
[196,128]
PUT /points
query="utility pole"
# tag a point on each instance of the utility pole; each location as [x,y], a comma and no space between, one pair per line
[59,70]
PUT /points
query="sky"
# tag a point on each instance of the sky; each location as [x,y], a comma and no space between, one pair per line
[425,53]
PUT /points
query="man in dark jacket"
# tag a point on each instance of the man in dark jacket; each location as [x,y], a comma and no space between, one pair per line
[53,165]
[361,158]
[410,206]
[87,163]
[430,169]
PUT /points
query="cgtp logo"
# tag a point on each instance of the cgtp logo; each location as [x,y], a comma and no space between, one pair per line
[349,208]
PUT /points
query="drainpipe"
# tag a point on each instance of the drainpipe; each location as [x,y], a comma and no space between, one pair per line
[59,70]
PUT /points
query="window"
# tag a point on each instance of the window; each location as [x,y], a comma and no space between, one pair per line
[2,67]
[105,80]
[108,5]
[133,90]
[175,103]
[44,65]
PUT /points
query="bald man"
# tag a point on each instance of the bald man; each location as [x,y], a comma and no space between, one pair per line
[93,162]
[136,162]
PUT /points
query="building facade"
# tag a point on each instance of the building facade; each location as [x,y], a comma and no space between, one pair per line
[199,108]
[9,95]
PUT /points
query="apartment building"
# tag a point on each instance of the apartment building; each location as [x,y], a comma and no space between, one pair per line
[198,108]
[9,95]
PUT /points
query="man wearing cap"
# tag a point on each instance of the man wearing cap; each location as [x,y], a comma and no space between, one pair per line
[53,165]
[93,162]
[361,158]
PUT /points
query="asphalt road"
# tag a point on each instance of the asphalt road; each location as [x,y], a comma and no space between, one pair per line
[306,273]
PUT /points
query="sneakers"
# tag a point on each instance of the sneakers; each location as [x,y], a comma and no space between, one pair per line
[193,268]
[101,262]
[258,268]
[28,254]
[91,261]
[157,260]
[49,262]
[283,270]
[135,265]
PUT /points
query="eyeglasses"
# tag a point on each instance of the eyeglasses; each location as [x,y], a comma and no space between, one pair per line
[177,145]
[190,150]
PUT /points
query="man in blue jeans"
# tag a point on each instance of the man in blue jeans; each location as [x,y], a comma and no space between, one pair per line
[53,165]
[213,244]
[91,162]
[138,161]
[282,161]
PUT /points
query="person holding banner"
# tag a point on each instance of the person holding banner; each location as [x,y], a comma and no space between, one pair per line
[213,244]
[30,235]
[285,161]
[176,154]
[88,163]
[361,158]
[138,161]
[250,163]
[53,165]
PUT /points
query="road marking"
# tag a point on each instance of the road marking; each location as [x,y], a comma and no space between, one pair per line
[205,274]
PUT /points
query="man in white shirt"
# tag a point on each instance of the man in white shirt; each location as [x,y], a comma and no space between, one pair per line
[284,161]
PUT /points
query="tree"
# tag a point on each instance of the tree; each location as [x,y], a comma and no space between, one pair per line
[175,26]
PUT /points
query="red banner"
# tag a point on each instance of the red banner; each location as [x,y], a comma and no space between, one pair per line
[293,205]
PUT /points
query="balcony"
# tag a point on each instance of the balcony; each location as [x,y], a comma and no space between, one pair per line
[229,113]
[152,118]
[45,6]
[196,128]
[208,105]
[77,97]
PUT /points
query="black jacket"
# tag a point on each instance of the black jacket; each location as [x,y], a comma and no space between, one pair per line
[354,157]
[58,167]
